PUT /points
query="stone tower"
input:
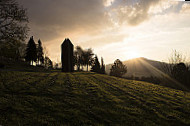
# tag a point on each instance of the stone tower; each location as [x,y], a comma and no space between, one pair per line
[67,56]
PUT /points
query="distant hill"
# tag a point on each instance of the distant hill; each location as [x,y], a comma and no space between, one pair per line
[139,67]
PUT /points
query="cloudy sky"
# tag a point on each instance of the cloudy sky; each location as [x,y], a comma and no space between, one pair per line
[121,29]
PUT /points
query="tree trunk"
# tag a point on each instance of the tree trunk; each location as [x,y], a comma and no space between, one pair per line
[78,67]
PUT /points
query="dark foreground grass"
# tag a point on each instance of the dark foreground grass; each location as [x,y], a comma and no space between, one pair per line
[32,98]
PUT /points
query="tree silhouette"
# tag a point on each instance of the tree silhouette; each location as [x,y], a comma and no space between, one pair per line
[48,63]
[31,53]
[13,28]
[83,57]
[180,73]
[96,65]
[177,69]
[102,66]
[118,69]
[40,54]
[175,58]
[87,57]
[78,57]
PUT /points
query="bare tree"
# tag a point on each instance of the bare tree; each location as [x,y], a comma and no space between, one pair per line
[175,58]
[13,25]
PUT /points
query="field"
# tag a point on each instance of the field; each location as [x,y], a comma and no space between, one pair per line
[55,98]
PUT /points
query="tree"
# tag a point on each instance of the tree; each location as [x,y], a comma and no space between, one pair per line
[31,53]
[48,63]
[75,59]
[40,54]
[13,28]
[22,50]
[78,57]
[118,69]
[177,72]
[56,66]
[103,71]
[87,57]
[12,50]
[175,58]
[96,65]
[180,73]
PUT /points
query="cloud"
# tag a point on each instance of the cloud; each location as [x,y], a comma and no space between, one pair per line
[185,8]
[63,17]
[108,3]
[51,19]
[134,12]
[104,40]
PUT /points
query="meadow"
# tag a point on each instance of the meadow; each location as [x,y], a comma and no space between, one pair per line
[85,98]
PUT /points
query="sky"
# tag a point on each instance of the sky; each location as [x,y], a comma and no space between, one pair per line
[114,29]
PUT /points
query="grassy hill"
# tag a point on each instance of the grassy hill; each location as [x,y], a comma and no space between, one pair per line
[55,98]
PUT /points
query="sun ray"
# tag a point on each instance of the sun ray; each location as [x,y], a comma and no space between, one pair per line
[163,74]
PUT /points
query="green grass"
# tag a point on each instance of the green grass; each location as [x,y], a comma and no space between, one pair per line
[36,98]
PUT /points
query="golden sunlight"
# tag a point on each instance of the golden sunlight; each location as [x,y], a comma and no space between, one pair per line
[132,54]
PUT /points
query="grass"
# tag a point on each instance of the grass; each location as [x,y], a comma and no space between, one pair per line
[55,98]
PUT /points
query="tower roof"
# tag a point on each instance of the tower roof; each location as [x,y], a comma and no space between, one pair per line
[67,42]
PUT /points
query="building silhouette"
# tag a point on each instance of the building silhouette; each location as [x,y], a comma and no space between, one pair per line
[67,56]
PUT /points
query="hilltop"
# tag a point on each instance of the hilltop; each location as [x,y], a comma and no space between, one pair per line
[55,98]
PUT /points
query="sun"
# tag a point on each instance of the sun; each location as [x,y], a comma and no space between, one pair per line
[132,54]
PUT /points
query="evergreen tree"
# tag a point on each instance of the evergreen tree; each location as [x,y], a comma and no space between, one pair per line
[103,71]
[31,53]
[118,69]
[96,65]
[40,54]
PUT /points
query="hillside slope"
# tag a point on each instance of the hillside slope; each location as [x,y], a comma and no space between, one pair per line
[32,98]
